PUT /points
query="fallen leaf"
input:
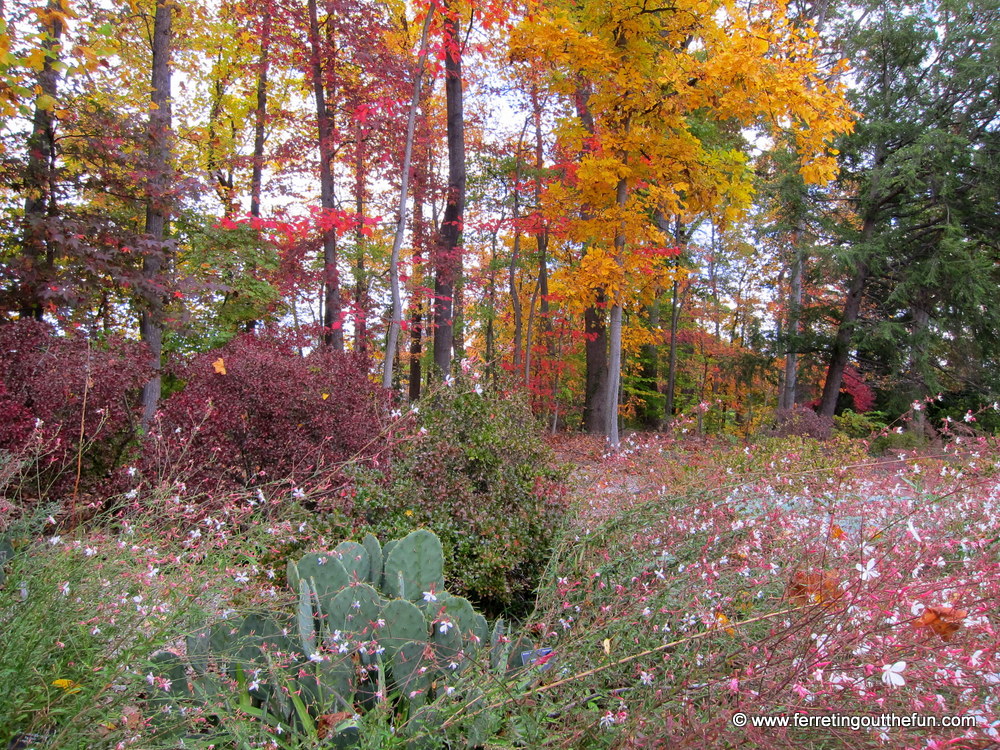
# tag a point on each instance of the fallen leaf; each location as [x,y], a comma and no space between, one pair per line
[326,722]
[813,587]
[220,366]
[944,621]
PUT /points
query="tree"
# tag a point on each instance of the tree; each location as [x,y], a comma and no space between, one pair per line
[656,80]
[920,173]
[158,207]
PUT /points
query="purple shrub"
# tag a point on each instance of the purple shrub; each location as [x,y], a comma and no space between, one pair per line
[256,411]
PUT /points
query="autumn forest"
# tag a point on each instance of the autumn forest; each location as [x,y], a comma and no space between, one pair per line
[469,374]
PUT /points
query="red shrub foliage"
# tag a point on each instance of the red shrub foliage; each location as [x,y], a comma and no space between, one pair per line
[58,384]
[860,392]
[256,411]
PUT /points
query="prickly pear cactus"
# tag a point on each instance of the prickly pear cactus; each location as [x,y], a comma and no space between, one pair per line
[355,559]
[375,558]
[345,648]
[414,569]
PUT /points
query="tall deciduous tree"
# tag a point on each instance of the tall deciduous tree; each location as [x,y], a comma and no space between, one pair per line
[158,207]
[659,78]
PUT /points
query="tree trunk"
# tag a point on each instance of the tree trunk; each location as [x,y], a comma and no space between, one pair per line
[39,258]
[675,314]
[615,364]
[448,263]
[157,209]
[333,334]
[260,116]
[397,243]
[841,349]
[794,324]
[594,325]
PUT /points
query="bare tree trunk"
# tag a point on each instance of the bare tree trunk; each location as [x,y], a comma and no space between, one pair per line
[448,263]
[397,243]
[260,116]
[794,324]
[157,209]
[615,365]
[333,334]
[39,255]
[841,348]
[594,325]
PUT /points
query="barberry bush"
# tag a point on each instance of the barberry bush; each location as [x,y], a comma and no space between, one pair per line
[257,410]
[77,395]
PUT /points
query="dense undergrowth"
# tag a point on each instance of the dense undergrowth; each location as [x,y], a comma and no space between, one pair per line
[657,595]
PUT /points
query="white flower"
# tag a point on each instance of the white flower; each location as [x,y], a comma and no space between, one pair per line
[89,551]
[607,721]
[917,608]
[64,588]
[916,406]
[968,417]
[315,656]
[449,381]
[444,626]
[298,493]
[430,596]
[55,540]
[892,674]
[478,389]
[646,678]
[241,578]
[867,571]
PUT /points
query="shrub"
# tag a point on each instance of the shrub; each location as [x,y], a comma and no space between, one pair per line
[477,474]
[256,410]
[82,395]
[801,421]
[856,425]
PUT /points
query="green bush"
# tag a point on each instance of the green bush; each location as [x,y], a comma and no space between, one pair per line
[856,425]
[475,472]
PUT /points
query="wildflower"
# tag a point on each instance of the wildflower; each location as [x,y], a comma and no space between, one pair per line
[315,656]
[645,678]
[68,685]
[64,588]
[241,578]
[55,540]
[892,674]
[478,389]
[444,626]
[89,551]
[867,571]
[430,596]
[916,406]
[607,721]
[298,493]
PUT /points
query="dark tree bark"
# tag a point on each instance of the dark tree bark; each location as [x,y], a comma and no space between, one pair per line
[841,349]
[333,334]
[448,261]
[39,255]
[158,208]
[260,116]
[594,317]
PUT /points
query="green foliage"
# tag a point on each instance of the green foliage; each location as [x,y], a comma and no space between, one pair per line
[70,637]
[478,475]
[349,650]
[856,425]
